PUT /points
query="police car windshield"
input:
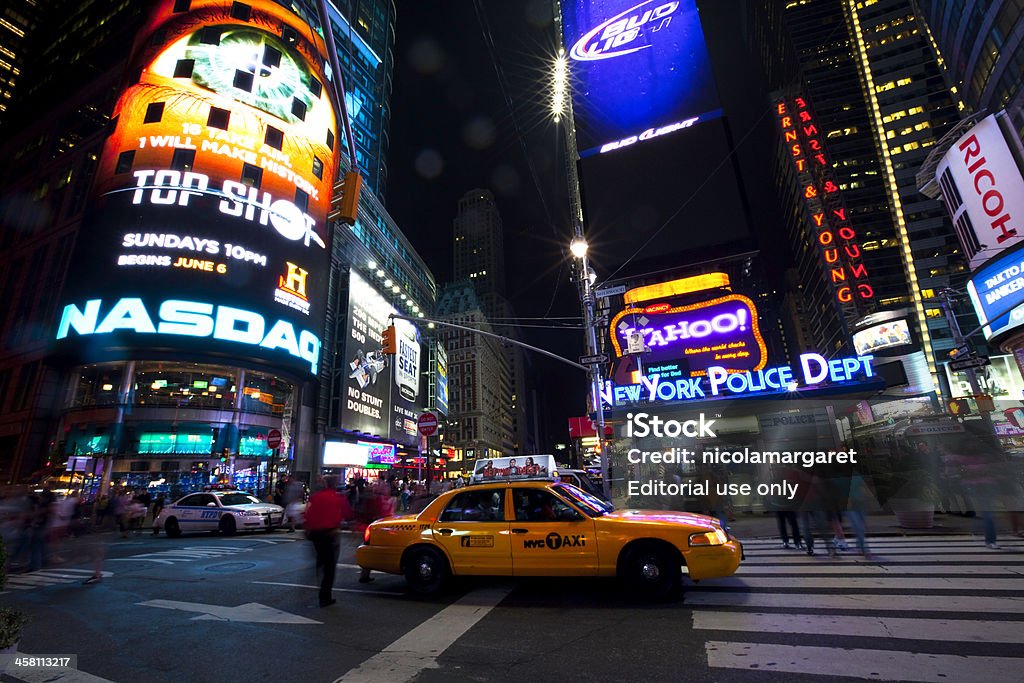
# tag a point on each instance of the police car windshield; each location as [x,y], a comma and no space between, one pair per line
[237,499]
[592,505]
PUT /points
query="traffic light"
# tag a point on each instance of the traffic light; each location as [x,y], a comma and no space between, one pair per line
[388,342]
[349,204]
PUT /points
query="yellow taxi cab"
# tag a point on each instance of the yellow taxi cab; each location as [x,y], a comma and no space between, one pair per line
[518,521]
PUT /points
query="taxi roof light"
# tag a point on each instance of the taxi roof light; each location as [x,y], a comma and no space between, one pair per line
[515,468]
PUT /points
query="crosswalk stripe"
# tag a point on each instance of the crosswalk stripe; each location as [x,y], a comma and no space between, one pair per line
[991,556]
[862,663]
[31,579]
[875,583]
[868,664]
[881,603]
[888,569]
[889,550]
[951,630]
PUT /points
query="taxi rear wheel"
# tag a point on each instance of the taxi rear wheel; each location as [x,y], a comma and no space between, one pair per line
[172,528]
[426,571]
[651,571]
[227,525]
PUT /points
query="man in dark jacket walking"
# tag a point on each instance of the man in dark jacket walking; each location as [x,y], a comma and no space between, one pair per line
[324,513]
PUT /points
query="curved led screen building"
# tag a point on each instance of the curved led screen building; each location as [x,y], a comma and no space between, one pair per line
[195,301]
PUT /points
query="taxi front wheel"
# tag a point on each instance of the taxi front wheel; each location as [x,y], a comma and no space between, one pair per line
[426,571]
[651,572]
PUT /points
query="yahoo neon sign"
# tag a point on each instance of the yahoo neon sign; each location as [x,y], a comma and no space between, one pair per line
[722,332]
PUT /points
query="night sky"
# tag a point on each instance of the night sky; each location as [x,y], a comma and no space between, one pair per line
[452,130]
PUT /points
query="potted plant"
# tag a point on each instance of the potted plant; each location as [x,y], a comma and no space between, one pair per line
[12,621]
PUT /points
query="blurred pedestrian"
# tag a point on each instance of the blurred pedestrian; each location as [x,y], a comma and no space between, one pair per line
[859,496]
[405,494]
[324,514]
[976,474]
[293,495]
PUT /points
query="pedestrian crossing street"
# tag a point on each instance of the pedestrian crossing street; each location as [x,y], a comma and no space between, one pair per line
[48,577]
[936,608]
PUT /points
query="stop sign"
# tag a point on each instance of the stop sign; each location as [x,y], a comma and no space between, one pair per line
[427,424]
[273,438]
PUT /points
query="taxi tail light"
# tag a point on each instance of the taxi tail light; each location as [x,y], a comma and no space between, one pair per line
[366,536]
[709,538]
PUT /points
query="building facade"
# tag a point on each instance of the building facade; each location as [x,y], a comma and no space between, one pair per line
[876,97]
[179,415]
[982,44]
[480,415]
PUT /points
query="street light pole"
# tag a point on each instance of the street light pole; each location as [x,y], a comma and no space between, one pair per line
[948,297]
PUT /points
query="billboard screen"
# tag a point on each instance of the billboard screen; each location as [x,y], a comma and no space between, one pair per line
[982,186]
[997,292]
[685,340]
[884,336]
[383,396]
[638,69]
[206,232]
[440,379]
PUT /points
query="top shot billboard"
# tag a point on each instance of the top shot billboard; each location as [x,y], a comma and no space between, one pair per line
[206,233]
[639,70]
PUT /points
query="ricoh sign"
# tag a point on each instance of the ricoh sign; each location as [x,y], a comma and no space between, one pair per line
[983,190]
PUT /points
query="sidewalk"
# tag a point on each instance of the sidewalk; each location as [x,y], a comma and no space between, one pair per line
[749,525]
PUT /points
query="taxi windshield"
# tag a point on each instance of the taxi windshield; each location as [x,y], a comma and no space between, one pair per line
[237,499]
[592,505]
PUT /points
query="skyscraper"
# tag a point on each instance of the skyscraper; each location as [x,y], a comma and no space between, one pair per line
[479,257]
[982,44]
[879,97]
[18,23]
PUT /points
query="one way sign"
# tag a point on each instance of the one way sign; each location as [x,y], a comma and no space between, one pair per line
[593,358]
[975,362]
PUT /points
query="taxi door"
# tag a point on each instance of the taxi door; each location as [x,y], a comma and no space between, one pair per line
[550,537]
[473,530]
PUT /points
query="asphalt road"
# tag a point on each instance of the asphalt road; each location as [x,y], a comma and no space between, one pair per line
[210,608]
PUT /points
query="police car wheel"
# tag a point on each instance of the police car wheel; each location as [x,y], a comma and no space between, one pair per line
[172,528]
[227,525]
[651,572]
[426,571]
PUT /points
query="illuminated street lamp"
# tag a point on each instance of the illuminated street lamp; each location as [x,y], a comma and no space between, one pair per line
[578,247]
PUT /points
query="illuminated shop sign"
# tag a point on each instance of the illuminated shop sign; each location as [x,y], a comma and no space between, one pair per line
[720,332]
[983,189]
[837,239]
[129,320]
[997,292]
[382,396]
[639,70]
[214,185]
[379,453]
[440,379]
[814,370]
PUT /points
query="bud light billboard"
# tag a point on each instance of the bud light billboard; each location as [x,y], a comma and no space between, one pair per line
[685,340]
[206,232]
[639,70]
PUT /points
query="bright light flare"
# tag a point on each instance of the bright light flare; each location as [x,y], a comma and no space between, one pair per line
[559,85]
[578,247]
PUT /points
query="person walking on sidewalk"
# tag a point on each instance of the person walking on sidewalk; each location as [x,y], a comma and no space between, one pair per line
[324,514]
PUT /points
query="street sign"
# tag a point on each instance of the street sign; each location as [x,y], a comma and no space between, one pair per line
[427,424]
[972,362]
[273,439]
[960,351]
[593,358]
[610,291]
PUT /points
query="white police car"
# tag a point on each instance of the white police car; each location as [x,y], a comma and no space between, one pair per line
[223,511]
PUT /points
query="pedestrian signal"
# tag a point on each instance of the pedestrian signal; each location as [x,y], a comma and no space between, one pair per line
[349,204]
[389,344]
[959,406]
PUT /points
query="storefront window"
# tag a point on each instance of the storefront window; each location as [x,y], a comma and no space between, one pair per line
[253,446]
[265,394]
[183,444]
[184,385]
[97,385]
